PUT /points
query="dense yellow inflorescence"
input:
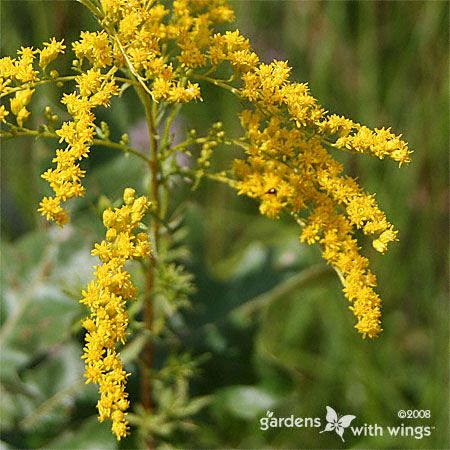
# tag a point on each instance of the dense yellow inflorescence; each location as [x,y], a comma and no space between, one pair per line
[143,36]
[106,298]
[165,50]
[94,89]
[288,168]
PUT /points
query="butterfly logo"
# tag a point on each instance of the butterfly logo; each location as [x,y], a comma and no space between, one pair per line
[337,423]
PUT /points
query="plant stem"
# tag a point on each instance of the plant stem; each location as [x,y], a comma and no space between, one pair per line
[221,83]
[48,134]
[133,71]
[165,141]
[32,85]
[153,158]
[92,8]
[153,164]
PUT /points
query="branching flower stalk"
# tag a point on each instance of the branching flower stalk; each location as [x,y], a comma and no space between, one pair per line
[166,51]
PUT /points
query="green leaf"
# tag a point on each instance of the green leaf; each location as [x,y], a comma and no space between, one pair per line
[91,435]
[246,402]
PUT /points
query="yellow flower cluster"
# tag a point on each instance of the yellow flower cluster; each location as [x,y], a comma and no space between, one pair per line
[144,35]
[352,136]
[3,113]
[18,76]
[234,48]
[19,103]
[334,232]
[288,169]
[17,71]
[106,298]
[287,166]
[50,52]
[95,48]
[94,89]
[268,87]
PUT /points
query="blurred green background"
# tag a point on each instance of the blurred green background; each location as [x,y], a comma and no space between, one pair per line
[292,350]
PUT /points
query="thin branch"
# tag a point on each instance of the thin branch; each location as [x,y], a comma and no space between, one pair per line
[92,8]
[38,83]
[221,177]
[65,79]
[21,132]
[133,70]
[221,83]
[169,121]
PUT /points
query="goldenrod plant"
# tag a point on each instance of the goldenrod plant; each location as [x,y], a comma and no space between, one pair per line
[167,52]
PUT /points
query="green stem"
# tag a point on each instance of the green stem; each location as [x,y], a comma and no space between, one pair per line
[145,95]
[185,144]
[38,83]
[21,132]
[93,9]
[147,352]
[201,140]
[132,69]
[221,177]
[165,151]
[55,80]
[169,121]
[220,83]
[153,158]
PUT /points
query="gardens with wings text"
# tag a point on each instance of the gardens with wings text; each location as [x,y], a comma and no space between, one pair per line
[340,423]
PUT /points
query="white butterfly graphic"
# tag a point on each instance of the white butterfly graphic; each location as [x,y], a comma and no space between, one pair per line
[336,423]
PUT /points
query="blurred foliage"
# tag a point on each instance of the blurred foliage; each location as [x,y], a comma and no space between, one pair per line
[268,318]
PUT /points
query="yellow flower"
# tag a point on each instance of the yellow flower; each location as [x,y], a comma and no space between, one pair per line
[3,113]
[106,298]
[50,52]
[23,67]
[89,82]
[287,166]
[18,105]
[235,48]
[95,47]
[288,169]
[7,67]
[51,209]
[129,24]
[380,142]
[95,89]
